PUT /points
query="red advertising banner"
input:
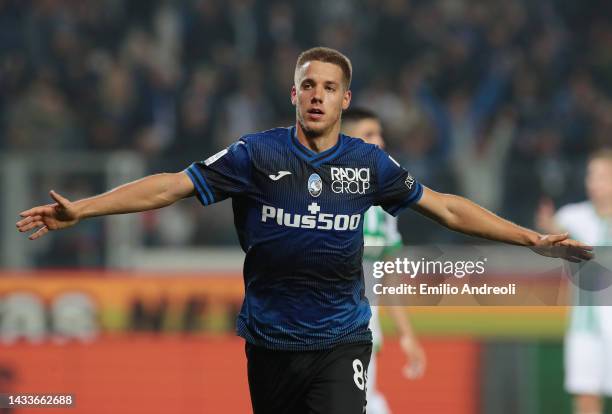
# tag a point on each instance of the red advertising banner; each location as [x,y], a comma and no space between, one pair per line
[143,343]
[144,373]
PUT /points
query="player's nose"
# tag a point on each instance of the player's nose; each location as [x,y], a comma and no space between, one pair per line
[317,94]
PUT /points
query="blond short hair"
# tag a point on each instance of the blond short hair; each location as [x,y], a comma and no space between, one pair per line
[327,55]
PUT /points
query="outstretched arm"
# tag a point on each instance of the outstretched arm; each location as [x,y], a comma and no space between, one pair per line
[462,215]
[148,193]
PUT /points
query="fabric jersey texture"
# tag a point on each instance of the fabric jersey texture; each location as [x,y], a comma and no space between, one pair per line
[299,219]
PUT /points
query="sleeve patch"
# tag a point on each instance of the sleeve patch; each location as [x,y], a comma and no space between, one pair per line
[215,157]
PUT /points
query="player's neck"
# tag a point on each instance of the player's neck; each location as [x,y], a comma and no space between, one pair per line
[321,142]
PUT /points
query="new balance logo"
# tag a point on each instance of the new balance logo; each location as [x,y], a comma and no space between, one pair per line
[278,176]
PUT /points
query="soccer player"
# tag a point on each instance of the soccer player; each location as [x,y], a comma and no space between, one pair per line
[381,239]
[298,196]
[588,341]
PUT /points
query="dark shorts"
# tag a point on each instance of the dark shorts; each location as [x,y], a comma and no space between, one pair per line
[332,381]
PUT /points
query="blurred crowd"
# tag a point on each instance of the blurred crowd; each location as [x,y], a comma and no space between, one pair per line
[500,101]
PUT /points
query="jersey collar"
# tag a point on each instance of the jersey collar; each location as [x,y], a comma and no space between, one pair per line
[308,155]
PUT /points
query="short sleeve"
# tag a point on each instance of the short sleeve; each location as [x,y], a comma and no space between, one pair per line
[225,174]
[397,188]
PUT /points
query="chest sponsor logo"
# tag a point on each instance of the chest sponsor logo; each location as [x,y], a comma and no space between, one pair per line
[314,220]
[350,180]
[315,185]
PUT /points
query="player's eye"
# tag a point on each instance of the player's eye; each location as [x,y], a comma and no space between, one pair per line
[330,88]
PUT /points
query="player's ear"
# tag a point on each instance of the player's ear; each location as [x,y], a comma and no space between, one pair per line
[346,99]
[293,95]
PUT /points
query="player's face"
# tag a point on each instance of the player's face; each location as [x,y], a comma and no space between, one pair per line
[370,130]
[319,97]
[599,180]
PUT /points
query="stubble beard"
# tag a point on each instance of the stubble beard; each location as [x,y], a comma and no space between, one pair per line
[312,132]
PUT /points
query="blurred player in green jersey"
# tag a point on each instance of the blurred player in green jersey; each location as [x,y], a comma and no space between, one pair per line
[588,340]
[382,239]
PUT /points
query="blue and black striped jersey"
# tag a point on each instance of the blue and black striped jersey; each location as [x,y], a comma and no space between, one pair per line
[299,218]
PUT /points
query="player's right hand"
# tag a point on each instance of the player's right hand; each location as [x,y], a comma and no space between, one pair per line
[61,214]
[415,355]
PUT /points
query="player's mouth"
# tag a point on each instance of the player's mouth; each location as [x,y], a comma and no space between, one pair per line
[315,114]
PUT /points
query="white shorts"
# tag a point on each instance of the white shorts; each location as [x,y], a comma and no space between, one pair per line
[588,351]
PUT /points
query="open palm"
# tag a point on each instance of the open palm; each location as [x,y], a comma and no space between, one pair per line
[561,246]
[49,217]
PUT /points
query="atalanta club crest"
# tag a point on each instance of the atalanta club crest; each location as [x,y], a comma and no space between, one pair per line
[315,185]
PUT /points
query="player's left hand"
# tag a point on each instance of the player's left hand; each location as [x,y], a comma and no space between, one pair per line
[415,368]
[561,246]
